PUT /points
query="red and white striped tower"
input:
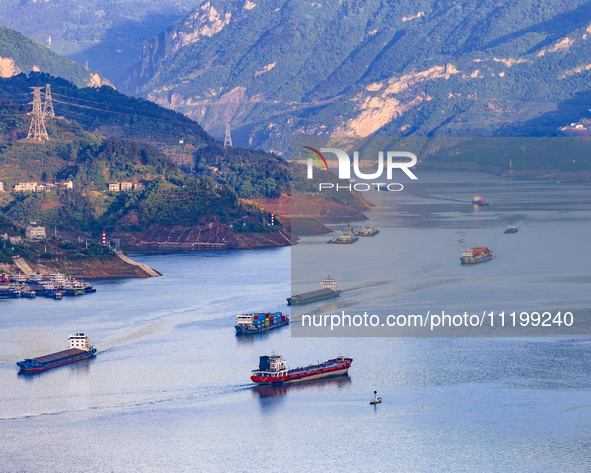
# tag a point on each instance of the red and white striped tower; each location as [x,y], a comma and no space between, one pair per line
[104,238]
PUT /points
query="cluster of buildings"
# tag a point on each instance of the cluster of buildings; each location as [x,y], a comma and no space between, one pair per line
[12,239]
[124,186]
[34,187]
[32,232]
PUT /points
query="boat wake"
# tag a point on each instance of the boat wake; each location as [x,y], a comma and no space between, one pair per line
[193,396]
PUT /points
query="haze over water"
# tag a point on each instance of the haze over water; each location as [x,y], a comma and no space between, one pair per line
[170,387]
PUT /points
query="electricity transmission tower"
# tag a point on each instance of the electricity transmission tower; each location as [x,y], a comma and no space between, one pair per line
[48,105]
[228,139]
[37,129]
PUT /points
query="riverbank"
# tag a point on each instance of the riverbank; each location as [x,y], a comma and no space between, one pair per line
[213,236]
[74,259]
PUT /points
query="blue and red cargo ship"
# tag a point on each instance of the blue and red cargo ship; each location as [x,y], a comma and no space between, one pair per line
[80,349]
[272,370]
[260,322]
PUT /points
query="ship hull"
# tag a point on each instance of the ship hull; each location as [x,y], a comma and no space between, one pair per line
[311,377]
[45,367]
[480,204]
[246,329]
[510,230]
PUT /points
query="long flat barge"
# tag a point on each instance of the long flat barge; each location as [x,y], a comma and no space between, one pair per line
[272,370]
[80,349]
[329,290]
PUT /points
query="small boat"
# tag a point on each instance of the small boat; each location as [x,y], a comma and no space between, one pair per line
[376,399]
[345,238]
[367,231]
[511,229]
[479,200]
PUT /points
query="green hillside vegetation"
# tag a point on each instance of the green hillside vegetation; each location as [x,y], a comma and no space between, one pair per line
[168,195]
[429,68]
[107,112]
[28,55]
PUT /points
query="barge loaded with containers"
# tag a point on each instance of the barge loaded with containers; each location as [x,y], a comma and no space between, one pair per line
[272,370]
[80,348]
[259,322]
[329,290]
[475,255]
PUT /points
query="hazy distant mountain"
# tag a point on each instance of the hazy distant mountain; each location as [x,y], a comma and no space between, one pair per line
[19,53]
[276,68]
[106,33]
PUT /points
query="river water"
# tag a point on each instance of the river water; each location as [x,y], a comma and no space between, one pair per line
[170,388]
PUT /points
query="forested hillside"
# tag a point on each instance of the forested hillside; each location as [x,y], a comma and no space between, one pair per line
[358,68]
[92,144]
[18,53]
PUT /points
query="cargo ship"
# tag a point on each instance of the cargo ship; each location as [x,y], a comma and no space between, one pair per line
[367,231]
[475,255]
[511,229]
[80,348]
[345,238]
[272,370]
[329,290]
[479,200]
[259,322]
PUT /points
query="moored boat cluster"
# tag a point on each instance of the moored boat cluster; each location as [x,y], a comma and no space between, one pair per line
[54,286]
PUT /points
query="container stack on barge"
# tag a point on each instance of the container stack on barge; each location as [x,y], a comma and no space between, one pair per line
[329,290]
[80,348]
[260,322]
[272,371]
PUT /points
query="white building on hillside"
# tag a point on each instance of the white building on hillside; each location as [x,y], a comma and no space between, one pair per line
[35,233]
[26,187]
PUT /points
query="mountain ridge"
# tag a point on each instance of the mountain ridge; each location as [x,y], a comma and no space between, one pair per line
[275,69]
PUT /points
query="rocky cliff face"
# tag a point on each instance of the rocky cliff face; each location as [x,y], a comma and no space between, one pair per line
[273,69]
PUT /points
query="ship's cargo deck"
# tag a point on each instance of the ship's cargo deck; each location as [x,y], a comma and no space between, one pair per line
[60,355]
[313,296]
[314,368]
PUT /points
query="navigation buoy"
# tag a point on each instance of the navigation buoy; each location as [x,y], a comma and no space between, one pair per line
[376,399]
